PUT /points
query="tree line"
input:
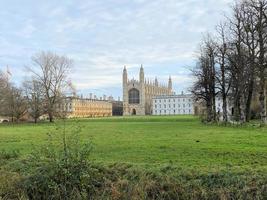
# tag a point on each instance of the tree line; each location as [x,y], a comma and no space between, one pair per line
[41,92]
[231,64]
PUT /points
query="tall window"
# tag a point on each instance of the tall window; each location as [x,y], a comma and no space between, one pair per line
[134,96]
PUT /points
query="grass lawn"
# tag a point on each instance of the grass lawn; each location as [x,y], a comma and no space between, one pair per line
[154,142]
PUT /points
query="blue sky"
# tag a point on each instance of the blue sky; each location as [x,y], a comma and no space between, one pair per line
[102,36]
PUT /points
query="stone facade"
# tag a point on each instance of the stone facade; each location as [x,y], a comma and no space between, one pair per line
[80,107]
[138,94]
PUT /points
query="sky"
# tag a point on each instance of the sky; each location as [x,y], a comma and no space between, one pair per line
[103,36]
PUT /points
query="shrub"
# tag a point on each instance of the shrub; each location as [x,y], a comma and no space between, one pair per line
[61,168]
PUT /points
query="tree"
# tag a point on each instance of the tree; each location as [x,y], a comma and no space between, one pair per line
[238,60]
[4,83]
[35,98]
[51,72]
[259,8]
[204,87]
[16,104]
[251,43]
[223,76]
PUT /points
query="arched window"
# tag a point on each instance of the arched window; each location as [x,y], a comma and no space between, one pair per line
[134,96]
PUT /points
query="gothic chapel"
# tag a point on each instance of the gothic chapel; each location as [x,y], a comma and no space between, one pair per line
[137,95]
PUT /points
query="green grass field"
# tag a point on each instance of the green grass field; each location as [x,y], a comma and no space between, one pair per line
[154,142]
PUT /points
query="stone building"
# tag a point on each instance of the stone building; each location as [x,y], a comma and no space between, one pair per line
[182,104]
[80,107]
[138,94]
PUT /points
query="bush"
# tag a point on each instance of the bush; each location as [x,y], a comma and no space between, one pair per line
[61,168]
[9,188]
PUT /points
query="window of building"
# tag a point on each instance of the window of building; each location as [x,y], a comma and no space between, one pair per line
[134,96]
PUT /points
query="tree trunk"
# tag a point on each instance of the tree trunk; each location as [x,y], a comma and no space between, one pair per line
[262,102]
[225,116]
[242,109]
[209,111]
[249,99]
[50,115]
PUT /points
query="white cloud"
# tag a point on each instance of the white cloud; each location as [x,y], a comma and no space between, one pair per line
[103,36]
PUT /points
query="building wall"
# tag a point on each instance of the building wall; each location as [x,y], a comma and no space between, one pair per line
[173,105]
[147,90]
[117,108]
[78,108]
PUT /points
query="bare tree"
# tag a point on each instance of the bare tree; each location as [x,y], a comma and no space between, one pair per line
[16,105]
[238,63]
[35,98]
[204,87]
[3,88]
[251,44]
[51,71]
[259,8]
[5,93]
[223,76]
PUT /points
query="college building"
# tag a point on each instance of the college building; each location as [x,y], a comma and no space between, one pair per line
[75,107]
[138,94]
[173,105]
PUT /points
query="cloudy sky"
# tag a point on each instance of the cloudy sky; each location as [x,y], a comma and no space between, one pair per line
[102,36]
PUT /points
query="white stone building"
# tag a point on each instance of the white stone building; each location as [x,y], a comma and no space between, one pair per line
[173,105]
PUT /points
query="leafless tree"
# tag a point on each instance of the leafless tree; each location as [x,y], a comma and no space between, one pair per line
[259,10]
[204,73]
[16,105]
[35,98]
[238,60]
[5,90]
[223,76]
[51,71]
